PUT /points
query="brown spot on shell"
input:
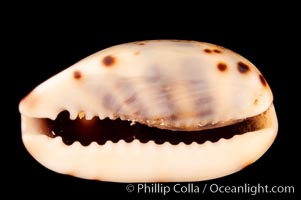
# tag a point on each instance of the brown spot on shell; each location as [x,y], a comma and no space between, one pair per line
[242,67]
[207,50]
[108,60]
[136,53]
[256,102]
[77,74]
[262,80]
[222,66]
[140,43]
[211,51]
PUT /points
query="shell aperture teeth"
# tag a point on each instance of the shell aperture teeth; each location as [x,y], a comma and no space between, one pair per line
[89,116]
[73,115]
[81,115]
[133,122]
[86,131]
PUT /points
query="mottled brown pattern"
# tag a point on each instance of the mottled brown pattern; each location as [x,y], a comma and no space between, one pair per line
[127,89]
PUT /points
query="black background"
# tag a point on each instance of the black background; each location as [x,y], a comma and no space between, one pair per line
[41,48]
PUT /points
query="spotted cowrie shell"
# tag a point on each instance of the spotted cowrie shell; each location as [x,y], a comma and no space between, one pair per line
[149,111]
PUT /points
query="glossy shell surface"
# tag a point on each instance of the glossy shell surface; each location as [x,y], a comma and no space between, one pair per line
[173,85]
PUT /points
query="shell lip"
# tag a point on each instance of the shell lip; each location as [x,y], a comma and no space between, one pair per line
[149,162]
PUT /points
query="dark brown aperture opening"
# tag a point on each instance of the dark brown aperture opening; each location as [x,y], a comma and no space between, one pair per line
[101,131]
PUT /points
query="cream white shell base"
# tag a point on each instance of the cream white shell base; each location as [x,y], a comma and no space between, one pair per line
[138,162]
